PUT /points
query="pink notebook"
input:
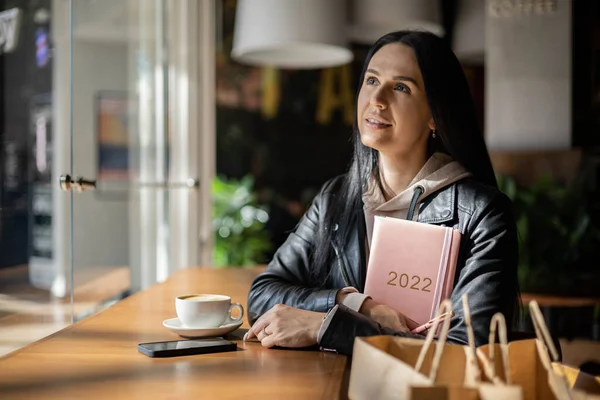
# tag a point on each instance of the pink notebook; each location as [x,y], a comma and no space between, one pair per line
[411,266]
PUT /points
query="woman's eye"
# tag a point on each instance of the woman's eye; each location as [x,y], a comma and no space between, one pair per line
[402,88]
[370,81]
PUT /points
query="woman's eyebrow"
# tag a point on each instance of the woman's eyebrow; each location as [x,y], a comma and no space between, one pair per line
[396,78]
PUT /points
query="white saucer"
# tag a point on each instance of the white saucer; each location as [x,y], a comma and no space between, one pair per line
[175,326]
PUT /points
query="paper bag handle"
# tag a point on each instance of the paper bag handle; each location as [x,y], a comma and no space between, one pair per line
[445,306]
[471,355]
[498,323]
[541,330]
[543,335]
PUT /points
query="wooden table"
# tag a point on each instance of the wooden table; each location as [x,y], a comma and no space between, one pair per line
[563,314]
[98,358]
[544,300]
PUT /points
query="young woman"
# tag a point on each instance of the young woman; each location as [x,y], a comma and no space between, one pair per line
[418,154]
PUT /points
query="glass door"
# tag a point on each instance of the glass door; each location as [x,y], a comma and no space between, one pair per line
[134,157]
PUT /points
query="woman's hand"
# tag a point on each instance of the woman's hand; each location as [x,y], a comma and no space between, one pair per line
[386,316]
[286,326]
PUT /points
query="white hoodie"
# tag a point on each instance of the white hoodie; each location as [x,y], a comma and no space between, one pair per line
[438,172]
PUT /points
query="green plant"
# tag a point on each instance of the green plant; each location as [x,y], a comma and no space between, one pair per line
[557,235]
[238,223]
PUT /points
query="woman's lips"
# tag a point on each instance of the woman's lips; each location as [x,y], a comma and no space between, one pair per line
[374,123]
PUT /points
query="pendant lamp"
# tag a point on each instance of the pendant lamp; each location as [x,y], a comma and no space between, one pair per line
[300,34]
[372,19]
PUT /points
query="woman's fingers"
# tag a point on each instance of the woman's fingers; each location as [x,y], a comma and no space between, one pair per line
[258,327]
[287,327]
[269,341]
[248,335]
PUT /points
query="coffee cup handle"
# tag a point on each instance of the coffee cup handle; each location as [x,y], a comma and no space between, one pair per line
[240,309]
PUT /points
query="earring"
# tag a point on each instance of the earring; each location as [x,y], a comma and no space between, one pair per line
[433,134]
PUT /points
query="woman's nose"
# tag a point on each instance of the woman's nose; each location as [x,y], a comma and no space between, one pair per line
[378,100]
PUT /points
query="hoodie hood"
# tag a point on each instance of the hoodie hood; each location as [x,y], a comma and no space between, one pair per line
[438,172]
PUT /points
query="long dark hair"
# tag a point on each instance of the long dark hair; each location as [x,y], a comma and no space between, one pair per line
[458,135]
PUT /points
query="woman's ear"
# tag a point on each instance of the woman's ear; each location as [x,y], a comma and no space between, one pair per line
[432,125]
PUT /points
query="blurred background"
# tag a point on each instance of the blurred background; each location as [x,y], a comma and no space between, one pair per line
[138,137]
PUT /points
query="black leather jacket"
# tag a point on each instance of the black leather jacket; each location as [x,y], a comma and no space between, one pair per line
[486,270]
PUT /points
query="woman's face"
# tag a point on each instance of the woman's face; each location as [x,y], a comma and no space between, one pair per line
[393,113]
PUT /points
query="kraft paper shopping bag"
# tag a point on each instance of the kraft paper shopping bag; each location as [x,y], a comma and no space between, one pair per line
[388,367]
[529,365]
[383,367]
[474,387]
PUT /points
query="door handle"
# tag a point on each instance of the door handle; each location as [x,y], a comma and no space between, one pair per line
[79,183]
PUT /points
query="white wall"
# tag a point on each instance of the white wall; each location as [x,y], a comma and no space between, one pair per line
[528,80]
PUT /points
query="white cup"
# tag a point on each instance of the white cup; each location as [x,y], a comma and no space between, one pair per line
[201,311]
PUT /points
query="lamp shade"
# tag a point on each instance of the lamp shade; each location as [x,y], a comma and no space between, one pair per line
[291,33]
[372,19]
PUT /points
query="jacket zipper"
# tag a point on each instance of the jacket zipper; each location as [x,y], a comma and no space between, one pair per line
[339,262]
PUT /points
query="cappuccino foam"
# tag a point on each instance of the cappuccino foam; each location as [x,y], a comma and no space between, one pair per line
[203,297]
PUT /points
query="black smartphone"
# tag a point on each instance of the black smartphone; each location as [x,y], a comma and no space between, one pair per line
[186,347]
